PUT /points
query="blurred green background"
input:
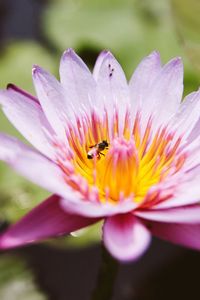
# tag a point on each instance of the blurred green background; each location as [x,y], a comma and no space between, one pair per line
[38,32]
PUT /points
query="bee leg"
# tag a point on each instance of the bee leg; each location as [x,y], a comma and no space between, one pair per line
[98,156]
[102,153]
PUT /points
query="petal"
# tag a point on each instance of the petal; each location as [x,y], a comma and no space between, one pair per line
[195,132]
[185,214]
[15,88]
[44,221]
[52,98]
[187,117]
[186,193]
[76,78]
[181,234]
[166,91]
[112,87]
[33,165]
[25,113]
[96,71]
[142,79]
[96,209]
[98,63]
[125,237]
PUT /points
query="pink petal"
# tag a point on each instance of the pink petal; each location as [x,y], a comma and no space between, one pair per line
[95,209]
[76,78]
[142,79]
[186,193]
[44,221]
[165,95]
[52,98]
[185,121]
[98,63]
[96,71]
[195,131]
[112,86]
[125,237]
[185,214]
[33,165]
[17,89]
[181,234]
[26,114]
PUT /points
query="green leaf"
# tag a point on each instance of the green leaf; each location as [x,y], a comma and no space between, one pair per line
[121,26]
[186,15]
[131,29]
[17,59]
[16,281]
[18,195]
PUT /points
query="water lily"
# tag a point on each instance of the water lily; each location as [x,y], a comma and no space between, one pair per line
[125,153]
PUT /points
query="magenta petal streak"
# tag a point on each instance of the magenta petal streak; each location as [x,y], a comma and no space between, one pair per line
[182,234]
[46,220]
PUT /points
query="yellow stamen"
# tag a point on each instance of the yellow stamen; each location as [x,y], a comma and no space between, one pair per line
[130,166]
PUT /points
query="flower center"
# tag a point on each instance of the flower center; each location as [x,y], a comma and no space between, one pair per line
[106,165]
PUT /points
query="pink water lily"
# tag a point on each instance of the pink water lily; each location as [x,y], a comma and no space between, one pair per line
[128,154]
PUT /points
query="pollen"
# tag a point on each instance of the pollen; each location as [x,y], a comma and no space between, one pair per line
[133,163]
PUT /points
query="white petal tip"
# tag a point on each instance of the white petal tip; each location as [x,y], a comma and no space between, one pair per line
[69,53]
[109,55]
[104,52]
[35,69]
[176,62]
[154,54]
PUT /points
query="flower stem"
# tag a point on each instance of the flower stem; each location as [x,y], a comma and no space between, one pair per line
[106,277]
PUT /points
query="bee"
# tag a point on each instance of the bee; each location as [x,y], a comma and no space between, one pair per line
[96,150]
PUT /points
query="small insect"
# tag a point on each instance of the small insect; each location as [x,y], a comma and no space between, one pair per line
[96,150]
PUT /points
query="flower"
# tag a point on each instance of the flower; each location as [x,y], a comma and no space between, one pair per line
[124,153]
